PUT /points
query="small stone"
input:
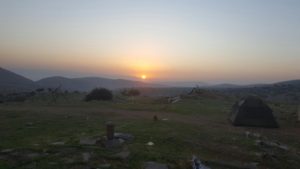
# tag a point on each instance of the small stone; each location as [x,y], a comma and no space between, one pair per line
[257,135]
[247,133]
[124,136]
[29,124]
[121,141]
[150,143]
[86,157]
[122,155]
[112,143]
[197,164]
[283,147]
[59,143]
[7,150]
[154,165]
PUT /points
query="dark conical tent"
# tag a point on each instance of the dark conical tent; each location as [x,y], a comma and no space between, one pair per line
[252,111]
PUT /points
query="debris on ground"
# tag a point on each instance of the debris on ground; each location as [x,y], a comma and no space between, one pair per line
[124,136]
[252,135]
[174,99]
[196,164]
[271,144]
[123,155]
[86,156]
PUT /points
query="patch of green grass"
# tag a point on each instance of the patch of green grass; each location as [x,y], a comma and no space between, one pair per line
[195,127]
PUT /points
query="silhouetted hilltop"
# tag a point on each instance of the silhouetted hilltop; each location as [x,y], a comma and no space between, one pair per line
[88,83]
[285,91]
[12,82]
[289,82]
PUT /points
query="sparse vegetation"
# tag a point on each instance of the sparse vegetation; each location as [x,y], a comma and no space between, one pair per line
[99,94]
[193,126]
[130,92]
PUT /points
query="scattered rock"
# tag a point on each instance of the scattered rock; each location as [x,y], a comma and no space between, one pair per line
[86,157]
[125,136]
[283,147]
[150,143]
[154,165]
[112,143]
[121,141]
[7,150]
[33,155]
[29,124]
[123,155]
[253,135]
[247,133]
[174,99]
[271,144]
[59,143]
[196,164]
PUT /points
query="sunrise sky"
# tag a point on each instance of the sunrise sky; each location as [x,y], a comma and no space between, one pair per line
[236,41]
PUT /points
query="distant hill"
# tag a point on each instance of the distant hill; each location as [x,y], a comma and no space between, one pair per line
[88,83]
[289,82]
[285,91]
[184,84]
[12,82]
[224,86]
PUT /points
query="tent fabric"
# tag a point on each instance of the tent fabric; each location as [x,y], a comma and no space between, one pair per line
[252,111]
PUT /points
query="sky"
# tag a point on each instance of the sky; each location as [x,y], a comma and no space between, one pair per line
[214,41]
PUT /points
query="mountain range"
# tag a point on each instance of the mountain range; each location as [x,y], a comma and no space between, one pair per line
[12,82]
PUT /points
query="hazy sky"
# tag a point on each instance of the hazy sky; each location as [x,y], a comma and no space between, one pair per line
[239,41]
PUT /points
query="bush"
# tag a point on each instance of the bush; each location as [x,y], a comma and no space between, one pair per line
[99,94]
[130,92]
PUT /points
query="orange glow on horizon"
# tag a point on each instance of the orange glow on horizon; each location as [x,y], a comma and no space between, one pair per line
[143,77]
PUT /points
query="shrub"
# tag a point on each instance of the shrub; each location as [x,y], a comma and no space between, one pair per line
[99,94]
[130,92]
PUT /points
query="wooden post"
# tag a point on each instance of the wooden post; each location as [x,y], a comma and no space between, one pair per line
[110,130]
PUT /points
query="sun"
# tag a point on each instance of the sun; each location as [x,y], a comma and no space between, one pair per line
[143,77]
